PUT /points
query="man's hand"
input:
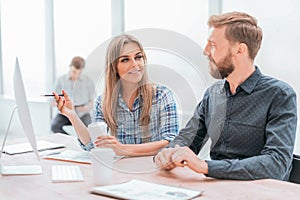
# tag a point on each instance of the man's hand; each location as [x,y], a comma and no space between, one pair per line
[184,156]
[164,158]
[170,158]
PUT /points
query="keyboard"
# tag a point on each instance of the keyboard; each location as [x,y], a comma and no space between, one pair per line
[66,173]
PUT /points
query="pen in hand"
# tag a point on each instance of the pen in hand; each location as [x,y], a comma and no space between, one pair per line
[51,95]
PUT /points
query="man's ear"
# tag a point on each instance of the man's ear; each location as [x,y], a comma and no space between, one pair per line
[242,48]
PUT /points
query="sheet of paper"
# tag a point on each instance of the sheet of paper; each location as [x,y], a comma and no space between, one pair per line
[74,156]
[138,190]
[71,156]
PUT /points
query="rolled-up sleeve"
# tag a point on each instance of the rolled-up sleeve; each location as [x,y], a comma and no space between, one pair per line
[86,147]
[97,117]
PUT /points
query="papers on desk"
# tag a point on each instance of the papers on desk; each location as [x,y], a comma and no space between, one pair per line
[70,156]
[26,147]
[74,156]
[136,189]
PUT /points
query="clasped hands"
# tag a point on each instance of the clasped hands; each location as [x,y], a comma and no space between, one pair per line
[169,158]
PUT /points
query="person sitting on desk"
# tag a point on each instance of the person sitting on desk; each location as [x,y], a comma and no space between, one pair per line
[81,91]
[250,118]
[142,117]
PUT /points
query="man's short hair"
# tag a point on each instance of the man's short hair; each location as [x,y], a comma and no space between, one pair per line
[78,62]
[240,27]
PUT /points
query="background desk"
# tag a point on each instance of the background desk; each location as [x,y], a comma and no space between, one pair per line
[142,168]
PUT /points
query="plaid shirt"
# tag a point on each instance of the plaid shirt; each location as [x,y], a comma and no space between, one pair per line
[163,124]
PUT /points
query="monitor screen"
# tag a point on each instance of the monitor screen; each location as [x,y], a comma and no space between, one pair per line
[23,109]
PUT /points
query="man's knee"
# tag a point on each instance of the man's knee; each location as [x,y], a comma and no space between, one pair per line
[56,128]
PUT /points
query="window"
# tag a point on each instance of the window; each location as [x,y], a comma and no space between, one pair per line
[176,37]
[186,17]
[280,50]
[22,29]
[80,27]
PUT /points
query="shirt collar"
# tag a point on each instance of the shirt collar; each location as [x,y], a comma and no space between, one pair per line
[67,77]
[249,84]
[135,103]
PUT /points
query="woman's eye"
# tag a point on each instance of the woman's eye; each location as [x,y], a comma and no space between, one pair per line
[124,60]
[138,57]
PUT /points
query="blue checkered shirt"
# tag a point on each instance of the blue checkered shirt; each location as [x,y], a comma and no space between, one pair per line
[164,124]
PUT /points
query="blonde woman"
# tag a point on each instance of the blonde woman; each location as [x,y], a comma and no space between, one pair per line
[141,117]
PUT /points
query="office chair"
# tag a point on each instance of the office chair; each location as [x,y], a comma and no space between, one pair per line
[295,173]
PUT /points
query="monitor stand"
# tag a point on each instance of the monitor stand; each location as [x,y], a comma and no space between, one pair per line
[18,169]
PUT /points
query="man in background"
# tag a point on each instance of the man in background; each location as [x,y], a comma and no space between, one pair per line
[80,89]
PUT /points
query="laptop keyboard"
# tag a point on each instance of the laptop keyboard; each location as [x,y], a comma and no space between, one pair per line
[66,173]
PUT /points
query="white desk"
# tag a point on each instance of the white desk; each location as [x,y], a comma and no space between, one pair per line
[40,186]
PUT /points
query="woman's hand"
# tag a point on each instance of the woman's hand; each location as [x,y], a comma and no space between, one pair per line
[107,141]
[64,104]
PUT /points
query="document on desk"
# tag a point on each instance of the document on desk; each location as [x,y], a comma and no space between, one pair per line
[136,189]
[70,156]
[26,147]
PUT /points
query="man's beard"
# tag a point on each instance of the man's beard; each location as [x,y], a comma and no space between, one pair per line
[222,69]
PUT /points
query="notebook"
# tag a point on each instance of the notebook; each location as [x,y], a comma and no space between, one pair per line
[140,190]
[26,147]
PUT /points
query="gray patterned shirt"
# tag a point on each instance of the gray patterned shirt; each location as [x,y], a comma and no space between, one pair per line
[80,91]
[252,131]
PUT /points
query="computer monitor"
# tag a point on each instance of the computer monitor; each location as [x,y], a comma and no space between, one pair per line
[23,109]
[25,119]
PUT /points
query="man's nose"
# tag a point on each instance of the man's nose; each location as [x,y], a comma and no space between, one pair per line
[206,50]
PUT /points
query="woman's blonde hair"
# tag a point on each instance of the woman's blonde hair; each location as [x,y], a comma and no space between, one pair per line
[113,85]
